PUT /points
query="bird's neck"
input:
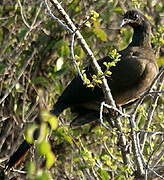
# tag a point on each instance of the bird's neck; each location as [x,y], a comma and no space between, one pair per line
[141,36]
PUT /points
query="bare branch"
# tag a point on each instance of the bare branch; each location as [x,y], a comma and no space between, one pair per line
[116,109]
[55,18]
[73,56]
[152,109]
[22,14]
[140,162]
[8,91]
[101,117]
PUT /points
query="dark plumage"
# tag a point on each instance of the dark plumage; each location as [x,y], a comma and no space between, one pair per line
[130,77]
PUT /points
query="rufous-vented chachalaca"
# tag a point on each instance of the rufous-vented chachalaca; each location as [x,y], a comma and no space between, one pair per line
[131,76]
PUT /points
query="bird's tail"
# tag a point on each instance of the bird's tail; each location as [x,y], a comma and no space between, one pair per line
[22,150]
[18,155]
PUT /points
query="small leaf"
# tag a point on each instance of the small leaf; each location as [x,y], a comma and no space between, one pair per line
[44,147]
[50,159]
[43,175]
[98,81]
[30,132]
[108,73]
[94,14]
[31,169]
[59,63]
[40,81]
[62,48]
[43,132]
[2,68]
[68,139]
[90,85]
[50,118]
[62,133]
[103,174]
[100,34]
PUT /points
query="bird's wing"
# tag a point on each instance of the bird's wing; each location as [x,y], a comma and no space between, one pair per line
[133,75]
[130,69]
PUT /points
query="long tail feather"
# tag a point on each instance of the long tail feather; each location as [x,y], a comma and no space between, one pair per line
[17,157]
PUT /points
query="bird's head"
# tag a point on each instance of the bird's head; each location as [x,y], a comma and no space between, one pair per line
[133,18]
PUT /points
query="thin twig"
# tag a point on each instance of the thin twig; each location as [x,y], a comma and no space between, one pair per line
[8,91]
[101,117]
[156,92]
[151,110]
[154,172]
[22,14]
[136,146]
[34,24]
[116,109]
[73,56]
[55,18]
[150,133]
[140,162]
[157,159]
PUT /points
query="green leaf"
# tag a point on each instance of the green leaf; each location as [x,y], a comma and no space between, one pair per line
[79,52]
[108,73]
[118,10]
[44,147]
[62,48]
[43,175]
[62,132]
[100,34]
[68,139]
[50,118]
[59,63]
[30,132]
[31,169]
[88,157]
[86,80]
[160,61]
[43,132]
[22,33]
[50,159]
[103,174]
[94,14]
[98,81]
[2,68]
[40,81]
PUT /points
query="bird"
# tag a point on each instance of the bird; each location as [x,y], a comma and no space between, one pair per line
[130,78]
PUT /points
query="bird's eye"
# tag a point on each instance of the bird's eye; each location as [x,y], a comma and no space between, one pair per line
[136,16]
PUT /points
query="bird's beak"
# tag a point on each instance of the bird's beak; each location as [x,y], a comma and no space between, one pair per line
[124,22]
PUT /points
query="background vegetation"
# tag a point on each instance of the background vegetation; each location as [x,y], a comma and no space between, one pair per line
[35,67]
